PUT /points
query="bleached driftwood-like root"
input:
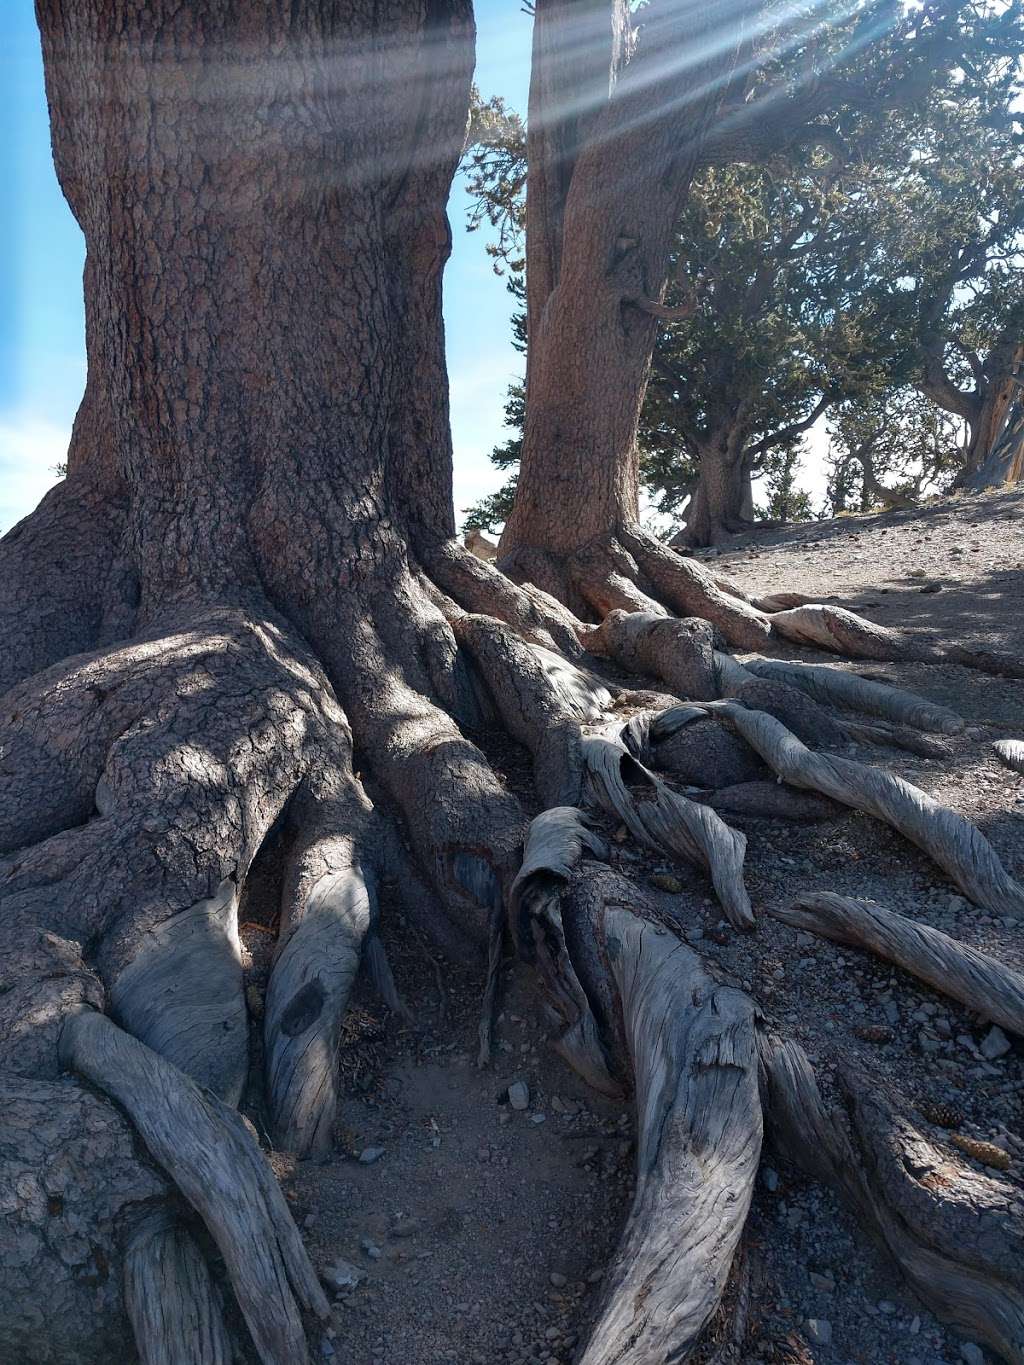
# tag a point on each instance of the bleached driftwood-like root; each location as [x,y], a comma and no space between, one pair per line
[635,1008]
[182,993]
[679,652]
[960,849]
[836,687]
[957,1235]
[662,819]
[170,1298]
[555,844]
[542,699]
[963,973]
[688,1046]
[210,1155]
[1010,752]
[843,632]
[328,907]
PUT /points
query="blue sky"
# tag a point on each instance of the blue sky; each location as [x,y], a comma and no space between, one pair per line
[42,343]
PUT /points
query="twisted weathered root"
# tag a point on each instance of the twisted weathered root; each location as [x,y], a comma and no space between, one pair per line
[666,821]
[960,849]
[635,1004]
[977,980]
[209,1153]
[834,687]
[692,1050]
[169,1296]
[956,1235]
[1010,752]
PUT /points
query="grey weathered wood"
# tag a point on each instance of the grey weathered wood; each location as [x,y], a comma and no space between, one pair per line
[169,1297]
[692,1047]
[555,844]
[977,980]
[1010,752]
[954,843]
[835,687]
[664,820]
[957,1235]
[309,987]
[182,994]
[211,1156]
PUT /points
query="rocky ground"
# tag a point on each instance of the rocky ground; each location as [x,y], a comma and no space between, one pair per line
[465,1216]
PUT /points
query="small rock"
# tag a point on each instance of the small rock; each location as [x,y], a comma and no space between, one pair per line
[369,1155]
[342,1275]
[824,1284]
[820,1331]
[538,1118]
[519,1095]
[371,1249]
[886,1306]
[406,1227]
[771,1179]
[971,1353]
[559,1281]
[994,1044]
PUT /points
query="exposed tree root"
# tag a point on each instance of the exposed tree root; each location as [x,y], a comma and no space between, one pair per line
[662,819]
[954,843]
[1010,752]
[956,1235]
[977,980]
[214,1161]
[833,687]
[170,1298]
[679,652]
[631,993]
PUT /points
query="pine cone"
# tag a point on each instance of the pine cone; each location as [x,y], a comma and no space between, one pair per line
[943,1115]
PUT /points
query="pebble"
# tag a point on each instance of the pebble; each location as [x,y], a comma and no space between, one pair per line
[369,1155]
[371,1249]
[820,1331]
[519,1095]
[559,1281]
[995,1044]
[971,1353]
[770,1178]
[342,1275]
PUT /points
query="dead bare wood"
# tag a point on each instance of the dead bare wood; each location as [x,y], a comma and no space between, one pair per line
[664,820]
[1010,752]
[960,849]
[957,1235]
[170,1298]
[974,978]
[210,1155]
[692,1048]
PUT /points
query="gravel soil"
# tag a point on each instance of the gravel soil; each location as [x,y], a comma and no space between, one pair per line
[477,1231]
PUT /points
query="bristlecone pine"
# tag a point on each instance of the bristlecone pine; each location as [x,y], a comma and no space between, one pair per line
[249,574]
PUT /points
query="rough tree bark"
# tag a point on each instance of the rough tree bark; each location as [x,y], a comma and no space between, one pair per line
[250,575]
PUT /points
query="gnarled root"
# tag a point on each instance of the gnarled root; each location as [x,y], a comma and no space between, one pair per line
[692,1050]
[1010,752]
[169,1296]
[208,1151]
[662,819]
[977,980]
[834,687]
[954,843]
[679,652]
[955,1234]
[636,1004]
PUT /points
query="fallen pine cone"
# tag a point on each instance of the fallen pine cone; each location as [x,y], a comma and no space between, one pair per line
[942,1115]
[874,1033]
[985,1152]
[661,881]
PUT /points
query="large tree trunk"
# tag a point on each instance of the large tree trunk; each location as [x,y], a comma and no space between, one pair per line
[723,500]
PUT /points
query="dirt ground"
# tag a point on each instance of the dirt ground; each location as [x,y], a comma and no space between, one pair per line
[477,1232]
